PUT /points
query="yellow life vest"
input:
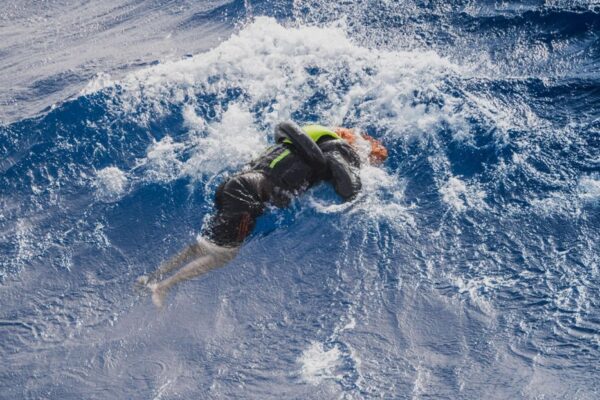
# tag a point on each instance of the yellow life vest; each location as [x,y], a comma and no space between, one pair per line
[315,132]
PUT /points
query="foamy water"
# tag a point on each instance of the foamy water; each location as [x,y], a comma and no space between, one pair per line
[466,268]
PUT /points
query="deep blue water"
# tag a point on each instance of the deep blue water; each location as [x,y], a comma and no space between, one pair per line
[468,267]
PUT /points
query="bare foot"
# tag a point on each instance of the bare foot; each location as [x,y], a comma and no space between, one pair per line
[159,293]
[140,285]
[142,280]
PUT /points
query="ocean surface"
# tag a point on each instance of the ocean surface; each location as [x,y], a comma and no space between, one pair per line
[468,267]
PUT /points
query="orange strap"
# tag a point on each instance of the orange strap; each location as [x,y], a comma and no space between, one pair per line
[244,226]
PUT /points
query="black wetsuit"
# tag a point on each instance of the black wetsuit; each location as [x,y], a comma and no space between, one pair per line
[275,178]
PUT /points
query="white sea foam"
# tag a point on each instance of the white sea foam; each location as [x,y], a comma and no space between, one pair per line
[99,82]
[476,289]
[318,364]
[25,241]
[587,191]
[279,70]
[229,144]
[458,195]
[381,199]
[162,162]
[556,203]
[453,193]
[110,183]
[382,196]
[589,188]
[214,147]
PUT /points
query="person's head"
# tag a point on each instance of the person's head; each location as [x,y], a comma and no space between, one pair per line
[378,153]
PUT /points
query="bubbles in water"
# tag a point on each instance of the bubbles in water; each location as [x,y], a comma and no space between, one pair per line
[229,143]
[589,188]
[162,162]
[318,364]
[278,71]
[456,194]
[111,184]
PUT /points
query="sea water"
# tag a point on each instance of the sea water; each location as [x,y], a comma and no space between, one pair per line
[468,267]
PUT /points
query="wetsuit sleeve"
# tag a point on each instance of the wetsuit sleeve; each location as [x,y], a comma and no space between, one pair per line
[343,163]
[304,145]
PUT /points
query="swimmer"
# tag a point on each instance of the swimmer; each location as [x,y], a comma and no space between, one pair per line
[300,158]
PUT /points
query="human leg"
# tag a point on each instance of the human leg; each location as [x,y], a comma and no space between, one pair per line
[239,201]
[217,257]
[194,250]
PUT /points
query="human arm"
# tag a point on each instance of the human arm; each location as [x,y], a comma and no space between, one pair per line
[343,164]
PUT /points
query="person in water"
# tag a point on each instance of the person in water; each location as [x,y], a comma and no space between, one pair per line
[300,158]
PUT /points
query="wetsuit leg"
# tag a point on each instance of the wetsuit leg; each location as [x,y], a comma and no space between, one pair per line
[239,201]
